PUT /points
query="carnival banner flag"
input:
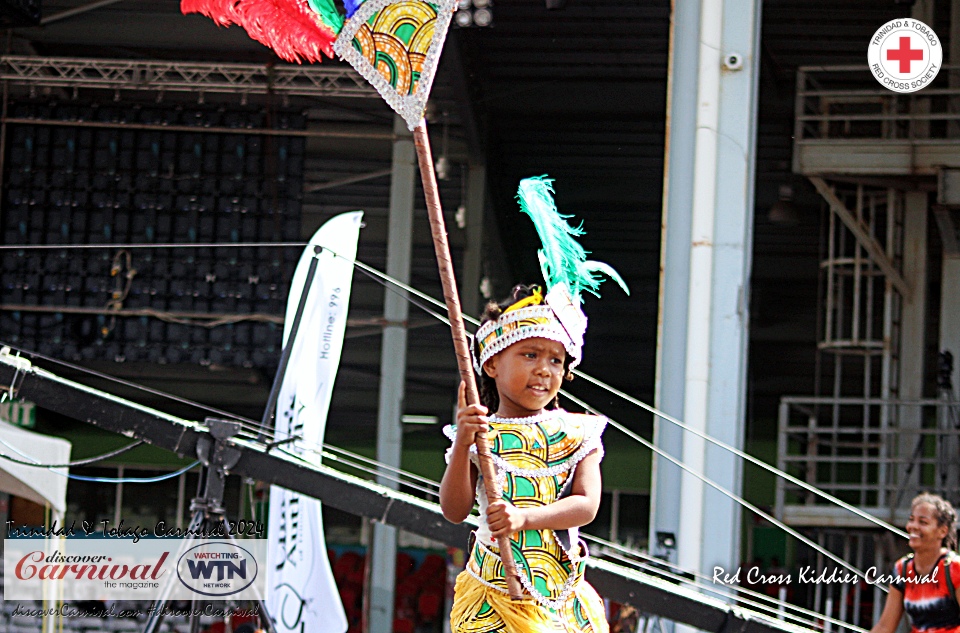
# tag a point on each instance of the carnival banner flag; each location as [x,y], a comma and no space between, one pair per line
[393,44]
[301,592]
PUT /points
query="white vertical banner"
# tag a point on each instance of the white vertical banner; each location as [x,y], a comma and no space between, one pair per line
[302,596]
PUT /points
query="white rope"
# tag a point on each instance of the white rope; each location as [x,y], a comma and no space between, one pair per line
[656,566]
[657,412]
[724,491]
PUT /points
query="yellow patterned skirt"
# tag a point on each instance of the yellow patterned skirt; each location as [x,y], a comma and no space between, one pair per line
[478,608]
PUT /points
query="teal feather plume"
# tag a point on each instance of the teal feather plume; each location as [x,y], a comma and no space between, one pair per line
[562,259]
[329,14]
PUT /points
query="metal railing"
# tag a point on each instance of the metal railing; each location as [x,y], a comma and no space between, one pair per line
[846,102]
[871,452]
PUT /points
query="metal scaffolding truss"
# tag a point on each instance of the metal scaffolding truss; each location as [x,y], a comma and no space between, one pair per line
[199,77]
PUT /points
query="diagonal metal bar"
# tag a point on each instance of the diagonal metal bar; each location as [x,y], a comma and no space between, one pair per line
[948,230]
[349,180]
[360,497]
[863,237]
[69,13]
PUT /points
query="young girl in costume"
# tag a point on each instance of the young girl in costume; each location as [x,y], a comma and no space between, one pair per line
[547,460]
[926,583]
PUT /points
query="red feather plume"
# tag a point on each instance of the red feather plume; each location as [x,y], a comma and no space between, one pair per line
[289,27]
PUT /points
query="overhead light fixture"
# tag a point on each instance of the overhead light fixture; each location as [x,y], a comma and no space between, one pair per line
[419,419]
[483,17]
[463,18]
[473,13]
[442,168]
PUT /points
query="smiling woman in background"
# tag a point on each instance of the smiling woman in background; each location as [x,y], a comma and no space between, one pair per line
[925,583]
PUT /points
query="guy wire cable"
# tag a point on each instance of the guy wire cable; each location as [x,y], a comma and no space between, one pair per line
[319,450]
[750,458]
[362,458]
[669,418]
[371,471]
[757,462]
[594,381]
[639,439]
[775,608]
[79,462]
[247,425]
[657,566]
[112,480]
[134,480]
[358,464]
[721,489]
[651,409]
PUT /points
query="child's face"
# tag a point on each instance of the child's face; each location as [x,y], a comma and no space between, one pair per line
[528,375]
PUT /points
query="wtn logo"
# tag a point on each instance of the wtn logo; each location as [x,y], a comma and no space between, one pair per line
[217,569]
[224,568]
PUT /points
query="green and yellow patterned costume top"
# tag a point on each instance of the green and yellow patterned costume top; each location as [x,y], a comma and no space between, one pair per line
[535,460]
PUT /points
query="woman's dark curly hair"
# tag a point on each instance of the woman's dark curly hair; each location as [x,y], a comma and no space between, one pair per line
[489,397]
[945,514]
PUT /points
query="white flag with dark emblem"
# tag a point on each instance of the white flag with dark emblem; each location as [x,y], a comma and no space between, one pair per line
[302,596]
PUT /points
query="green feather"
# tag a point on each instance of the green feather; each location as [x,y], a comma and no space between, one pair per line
[328,13]
[562,259]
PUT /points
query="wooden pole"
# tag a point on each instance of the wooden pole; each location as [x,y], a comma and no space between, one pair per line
[460,345]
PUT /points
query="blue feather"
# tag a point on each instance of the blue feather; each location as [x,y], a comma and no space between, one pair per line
[351,6]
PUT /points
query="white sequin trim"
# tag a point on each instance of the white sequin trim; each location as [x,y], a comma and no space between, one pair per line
[410,107]
[588,445]
[520,314]
[566,484]
[553,331]
[485,582]
[530,419]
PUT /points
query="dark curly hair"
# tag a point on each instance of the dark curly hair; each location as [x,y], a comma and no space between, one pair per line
[489,397]
[946,515]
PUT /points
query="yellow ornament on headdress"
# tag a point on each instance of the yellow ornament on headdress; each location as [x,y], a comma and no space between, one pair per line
[533,300]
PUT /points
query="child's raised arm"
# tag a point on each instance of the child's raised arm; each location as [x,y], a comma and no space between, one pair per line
[459,484]
[575,510]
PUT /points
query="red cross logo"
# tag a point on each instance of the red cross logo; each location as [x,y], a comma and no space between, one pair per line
[905,54]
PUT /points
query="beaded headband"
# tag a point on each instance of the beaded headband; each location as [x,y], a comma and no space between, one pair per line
[528,318]
[565,268]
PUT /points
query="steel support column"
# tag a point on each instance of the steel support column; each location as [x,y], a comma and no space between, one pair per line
[712,321]
[393,365]
[914,319]
[674,268]
[950,317]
